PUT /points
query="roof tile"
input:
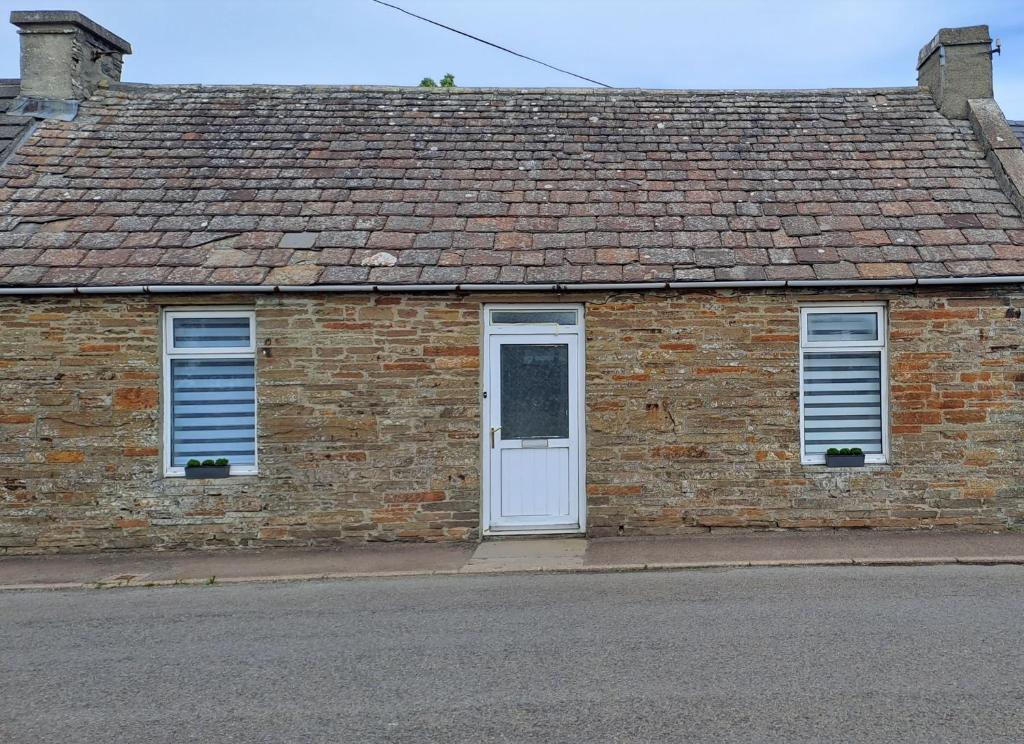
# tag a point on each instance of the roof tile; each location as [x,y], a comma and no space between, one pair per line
[277,185]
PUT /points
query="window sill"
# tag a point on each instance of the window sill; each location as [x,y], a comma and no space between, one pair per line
[235,473]
[821,464]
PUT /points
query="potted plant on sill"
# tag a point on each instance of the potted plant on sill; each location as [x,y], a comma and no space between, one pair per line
[847,457]
[219,468]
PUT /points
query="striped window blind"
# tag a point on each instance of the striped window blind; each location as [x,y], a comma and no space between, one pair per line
[211,388]
[827,327]
[211,333]
[843,401]
[213,410]
[843,381]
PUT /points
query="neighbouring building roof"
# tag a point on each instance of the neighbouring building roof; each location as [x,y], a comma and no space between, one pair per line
[12,128]
[1018,129]
[182,185]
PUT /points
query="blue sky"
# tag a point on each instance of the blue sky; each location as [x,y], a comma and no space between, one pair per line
[626,43]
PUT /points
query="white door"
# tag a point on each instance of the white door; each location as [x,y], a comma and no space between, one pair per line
[532,435]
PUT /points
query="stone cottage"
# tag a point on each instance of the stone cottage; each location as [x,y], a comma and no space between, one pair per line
[412,314]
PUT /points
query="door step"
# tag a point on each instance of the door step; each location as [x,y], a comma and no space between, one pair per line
[512,535]
[528,554]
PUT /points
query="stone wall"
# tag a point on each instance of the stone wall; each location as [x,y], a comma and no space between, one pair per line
[693,419]
[368,426]
[369,418]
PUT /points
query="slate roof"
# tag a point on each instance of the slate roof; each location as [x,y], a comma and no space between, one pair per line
[11,127]
[1018,129]
[276,185]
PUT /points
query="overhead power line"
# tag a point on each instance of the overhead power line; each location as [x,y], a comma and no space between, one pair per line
[491,43]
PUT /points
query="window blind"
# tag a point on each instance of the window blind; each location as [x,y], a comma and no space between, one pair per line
[842,401]
[213,410]
[833,327]
[207,333]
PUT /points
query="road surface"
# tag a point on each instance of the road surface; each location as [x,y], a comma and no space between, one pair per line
[921,654]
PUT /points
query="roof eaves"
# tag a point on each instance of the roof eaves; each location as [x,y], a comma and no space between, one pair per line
[568,287]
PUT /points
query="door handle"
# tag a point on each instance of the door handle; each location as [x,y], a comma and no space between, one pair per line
[493,429]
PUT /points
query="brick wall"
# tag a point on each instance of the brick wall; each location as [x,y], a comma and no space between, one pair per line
[369,420]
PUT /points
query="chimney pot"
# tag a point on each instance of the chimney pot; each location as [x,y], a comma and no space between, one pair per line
[956,66]
[64,57]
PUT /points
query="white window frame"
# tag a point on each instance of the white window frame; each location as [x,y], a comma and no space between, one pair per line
[491,326]
[170,352]
[880,344]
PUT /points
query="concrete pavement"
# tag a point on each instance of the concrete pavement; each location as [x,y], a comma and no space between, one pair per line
[510,556]
[853,654]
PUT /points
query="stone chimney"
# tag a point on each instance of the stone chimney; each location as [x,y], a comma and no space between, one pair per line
[64,58]
[957,66]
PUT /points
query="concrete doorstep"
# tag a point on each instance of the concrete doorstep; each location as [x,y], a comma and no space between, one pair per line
[520,555]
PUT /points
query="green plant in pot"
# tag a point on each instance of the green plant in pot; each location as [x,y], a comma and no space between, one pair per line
[208,468]
[844,457]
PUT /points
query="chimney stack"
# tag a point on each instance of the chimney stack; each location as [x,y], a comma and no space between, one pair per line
[956,66]
[64,57]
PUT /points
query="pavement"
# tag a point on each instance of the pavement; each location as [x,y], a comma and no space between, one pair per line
[510,555]
[928,654]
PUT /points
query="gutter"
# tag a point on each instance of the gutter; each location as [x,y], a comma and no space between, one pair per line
[578,287]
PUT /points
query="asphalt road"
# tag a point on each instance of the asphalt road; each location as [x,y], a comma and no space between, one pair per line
[930,654]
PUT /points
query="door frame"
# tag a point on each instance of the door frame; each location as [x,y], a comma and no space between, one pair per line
[486,331]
